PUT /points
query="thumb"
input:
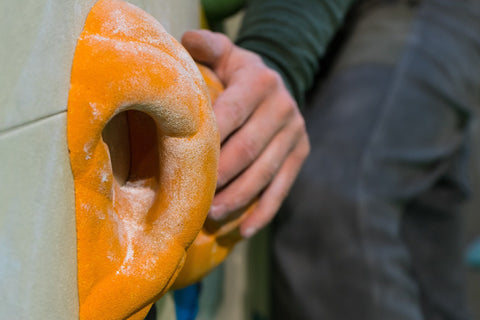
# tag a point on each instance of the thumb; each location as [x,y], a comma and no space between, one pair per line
[209,48]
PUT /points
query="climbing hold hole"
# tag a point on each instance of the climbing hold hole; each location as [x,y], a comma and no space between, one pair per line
[132,140]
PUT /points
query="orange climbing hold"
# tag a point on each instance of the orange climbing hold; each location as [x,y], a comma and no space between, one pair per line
[143,150]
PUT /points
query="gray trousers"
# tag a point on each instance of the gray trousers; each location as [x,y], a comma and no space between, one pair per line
[372,227]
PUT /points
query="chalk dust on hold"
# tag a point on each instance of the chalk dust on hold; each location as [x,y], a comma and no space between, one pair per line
[95,111]
[138,198]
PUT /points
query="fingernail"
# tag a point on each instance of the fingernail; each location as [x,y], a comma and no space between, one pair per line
[217,212]
[249,232]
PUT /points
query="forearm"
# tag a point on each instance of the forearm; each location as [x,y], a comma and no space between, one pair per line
[291,36]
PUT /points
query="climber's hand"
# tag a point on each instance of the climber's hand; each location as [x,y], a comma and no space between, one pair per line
[264,141]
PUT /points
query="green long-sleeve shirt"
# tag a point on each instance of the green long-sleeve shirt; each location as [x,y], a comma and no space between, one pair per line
[291,36]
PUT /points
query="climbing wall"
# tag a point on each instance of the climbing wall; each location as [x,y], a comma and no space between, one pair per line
[37,217]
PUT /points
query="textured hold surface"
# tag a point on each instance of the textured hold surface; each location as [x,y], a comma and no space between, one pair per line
[214,242]
[134,226]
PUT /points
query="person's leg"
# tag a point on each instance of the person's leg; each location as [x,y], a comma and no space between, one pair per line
[432,220]
[387,131]
[431,228]
[324,267]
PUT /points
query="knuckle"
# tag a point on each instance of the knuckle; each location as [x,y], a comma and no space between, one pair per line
[247,150]
[267,172]
[221,37]
[287,107]
[234,113]
[252,56]
[299,124]
[226,43]
[270,77]
[246,60]
[266,78]
[221,178]
[296,126]
[304,148]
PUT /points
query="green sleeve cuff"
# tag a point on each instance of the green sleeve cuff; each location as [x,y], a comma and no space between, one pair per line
[291,36]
